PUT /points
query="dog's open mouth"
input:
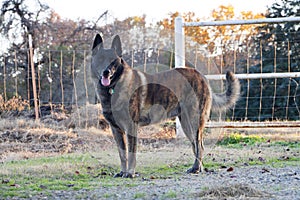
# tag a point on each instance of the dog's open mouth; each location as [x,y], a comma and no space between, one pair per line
[106,77]
[105,81]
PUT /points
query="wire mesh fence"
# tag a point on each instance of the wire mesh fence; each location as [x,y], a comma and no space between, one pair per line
[63,77]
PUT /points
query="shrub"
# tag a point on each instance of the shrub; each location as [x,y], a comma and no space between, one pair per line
[16,103]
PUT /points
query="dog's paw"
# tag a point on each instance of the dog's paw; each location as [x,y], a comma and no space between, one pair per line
[125,175]
[128,175]
[192,171]
[118,175]
[195,169]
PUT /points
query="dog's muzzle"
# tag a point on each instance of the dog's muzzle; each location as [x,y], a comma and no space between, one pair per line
[106,73]
[105,78]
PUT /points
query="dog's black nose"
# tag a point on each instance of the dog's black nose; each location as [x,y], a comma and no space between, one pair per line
[106,73]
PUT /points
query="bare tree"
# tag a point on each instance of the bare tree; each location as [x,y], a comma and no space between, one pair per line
[17,21]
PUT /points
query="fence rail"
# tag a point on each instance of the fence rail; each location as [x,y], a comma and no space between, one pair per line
[243,22]
[274,77]
[249,124]
[255,76]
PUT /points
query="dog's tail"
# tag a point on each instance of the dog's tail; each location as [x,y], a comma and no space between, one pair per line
[229,97]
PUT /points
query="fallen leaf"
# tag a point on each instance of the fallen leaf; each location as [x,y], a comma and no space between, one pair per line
[264,170]
[284,158]
[230,169]
[42,186]
[5,181]
[15,185]
[70,185]
[261,159]
[209,170]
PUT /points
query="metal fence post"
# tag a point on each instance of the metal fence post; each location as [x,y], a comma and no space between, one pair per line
[179,59]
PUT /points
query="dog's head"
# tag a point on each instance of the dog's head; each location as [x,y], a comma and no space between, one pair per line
[105,62]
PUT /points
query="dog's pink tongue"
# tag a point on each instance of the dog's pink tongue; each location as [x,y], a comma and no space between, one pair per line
[105,81]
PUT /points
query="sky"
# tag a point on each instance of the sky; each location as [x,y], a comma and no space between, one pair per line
[155,10]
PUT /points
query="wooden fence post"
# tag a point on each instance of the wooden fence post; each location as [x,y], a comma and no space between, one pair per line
[36,107]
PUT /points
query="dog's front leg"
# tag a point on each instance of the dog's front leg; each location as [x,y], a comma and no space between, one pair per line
[120,138]
[132,148]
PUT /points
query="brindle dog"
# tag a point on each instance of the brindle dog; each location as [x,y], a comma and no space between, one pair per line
[131,98]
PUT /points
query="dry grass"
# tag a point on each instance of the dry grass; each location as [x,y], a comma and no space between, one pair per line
[85,130]
[85,117]
[237,191]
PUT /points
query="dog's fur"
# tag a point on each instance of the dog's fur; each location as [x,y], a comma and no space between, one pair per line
[130,98]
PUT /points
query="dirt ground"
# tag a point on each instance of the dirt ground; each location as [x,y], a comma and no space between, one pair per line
[236,178]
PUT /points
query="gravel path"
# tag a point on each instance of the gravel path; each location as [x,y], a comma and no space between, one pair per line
[255,182]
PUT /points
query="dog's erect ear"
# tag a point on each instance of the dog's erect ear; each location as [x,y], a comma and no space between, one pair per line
[98,40]
[116,44]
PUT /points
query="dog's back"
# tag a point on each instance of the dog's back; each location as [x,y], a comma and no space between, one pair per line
[153,98]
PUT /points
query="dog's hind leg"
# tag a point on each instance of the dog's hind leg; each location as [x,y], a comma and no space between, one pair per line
[120,138]
[193,130]
[198,150]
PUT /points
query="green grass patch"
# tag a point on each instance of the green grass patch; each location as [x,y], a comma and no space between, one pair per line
[170,195]
[164,171]
[26,178]
[68,172]
[277,162]
[237,140]
[139,195]
[287,144]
